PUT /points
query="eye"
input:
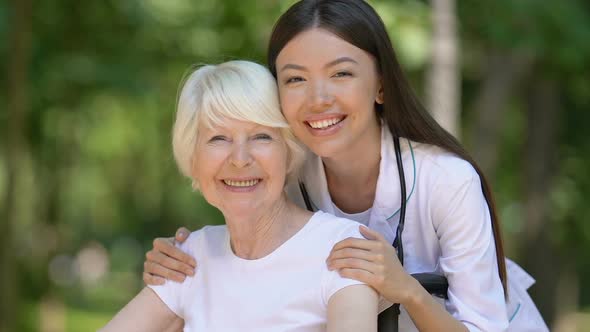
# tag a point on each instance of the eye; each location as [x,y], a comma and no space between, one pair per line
[294,79]
[217,138]
[343,74]
[264,137]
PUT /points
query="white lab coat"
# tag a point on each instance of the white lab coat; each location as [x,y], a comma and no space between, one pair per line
[447,231]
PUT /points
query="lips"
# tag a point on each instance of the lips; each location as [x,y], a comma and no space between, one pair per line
[324,123]
[241,183]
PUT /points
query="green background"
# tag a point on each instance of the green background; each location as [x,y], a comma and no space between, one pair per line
[87,178]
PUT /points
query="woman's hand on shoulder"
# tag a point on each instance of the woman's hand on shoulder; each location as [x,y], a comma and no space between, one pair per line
[372,261]
[166,261]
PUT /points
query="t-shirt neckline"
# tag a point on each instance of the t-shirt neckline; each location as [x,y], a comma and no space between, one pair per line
[293,239]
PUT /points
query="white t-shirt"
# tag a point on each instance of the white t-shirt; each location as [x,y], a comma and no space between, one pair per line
[360,217]
[287,290]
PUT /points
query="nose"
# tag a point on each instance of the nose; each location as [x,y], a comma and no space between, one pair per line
[320,98]
[240,156]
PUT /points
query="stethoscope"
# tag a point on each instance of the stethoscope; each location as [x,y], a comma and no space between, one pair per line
[397,242]
[433,283]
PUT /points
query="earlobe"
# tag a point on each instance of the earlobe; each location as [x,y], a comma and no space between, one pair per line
[379,97]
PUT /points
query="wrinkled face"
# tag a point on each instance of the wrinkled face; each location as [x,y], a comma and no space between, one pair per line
[240,166]
[328,90]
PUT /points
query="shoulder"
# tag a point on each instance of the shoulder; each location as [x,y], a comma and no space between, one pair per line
[207,234]
[438,165]
[335,228]
[451,189]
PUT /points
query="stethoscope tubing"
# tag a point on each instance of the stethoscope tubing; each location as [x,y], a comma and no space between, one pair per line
[397,242]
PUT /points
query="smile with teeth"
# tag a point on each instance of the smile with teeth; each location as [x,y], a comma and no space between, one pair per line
[247,183]
[323,124]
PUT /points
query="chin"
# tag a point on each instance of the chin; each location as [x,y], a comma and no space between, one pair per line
[327,149]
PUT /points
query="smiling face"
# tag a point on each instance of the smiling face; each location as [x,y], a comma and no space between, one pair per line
[240,166]
[328,89]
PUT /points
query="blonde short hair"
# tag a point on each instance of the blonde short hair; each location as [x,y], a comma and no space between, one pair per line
[240,90]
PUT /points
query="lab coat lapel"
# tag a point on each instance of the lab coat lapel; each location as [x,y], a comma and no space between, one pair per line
[387,189]
[385,214]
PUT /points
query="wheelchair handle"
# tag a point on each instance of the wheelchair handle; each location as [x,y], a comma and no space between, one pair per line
[434,284]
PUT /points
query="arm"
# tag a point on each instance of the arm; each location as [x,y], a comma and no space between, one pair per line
[374,262]
[176,326]
[352,309]
[145,313]
[426,313]
[166,261]
[460,216]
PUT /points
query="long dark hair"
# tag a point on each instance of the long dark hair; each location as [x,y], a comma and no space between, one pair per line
[356,22]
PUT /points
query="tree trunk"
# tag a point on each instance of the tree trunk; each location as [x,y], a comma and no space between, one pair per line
[16,150]
[443,77]
[540,165]
[504,73]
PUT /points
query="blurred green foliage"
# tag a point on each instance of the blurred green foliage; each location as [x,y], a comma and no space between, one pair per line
[97,178]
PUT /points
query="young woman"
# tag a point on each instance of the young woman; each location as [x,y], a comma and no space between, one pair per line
[345,97]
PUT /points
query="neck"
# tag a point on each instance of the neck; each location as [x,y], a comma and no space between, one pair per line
[256,236]
[352,176]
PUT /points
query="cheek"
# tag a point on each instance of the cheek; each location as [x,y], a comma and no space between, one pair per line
[363,101]
[206,166]
[276,161]
[290,104]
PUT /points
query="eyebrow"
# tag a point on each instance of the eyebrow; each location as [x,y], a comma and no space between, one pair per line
[329,64]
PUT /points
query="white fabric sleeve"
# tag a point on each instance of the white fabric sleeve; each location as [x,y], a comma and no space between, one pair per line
[332,281]
[172,292]
[468,254]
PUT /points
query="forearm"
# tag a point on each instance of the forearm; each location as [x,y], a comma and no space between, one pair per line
[426,313]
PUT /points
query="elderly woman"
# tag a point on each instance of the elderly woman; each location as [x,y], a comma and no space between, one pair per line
[265,269]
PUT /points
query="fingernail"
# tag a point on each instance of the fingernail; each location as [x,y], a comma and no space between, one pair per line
[190,272]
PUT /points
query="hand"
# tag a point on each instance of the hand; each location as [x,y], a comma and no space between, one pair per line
[373,261]
[165,261]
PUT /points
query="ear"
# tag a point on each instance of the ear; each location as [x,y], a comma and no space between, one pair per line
[379,97]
